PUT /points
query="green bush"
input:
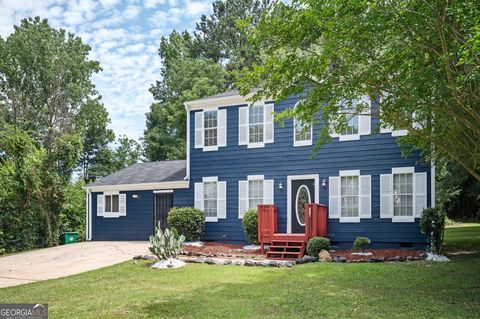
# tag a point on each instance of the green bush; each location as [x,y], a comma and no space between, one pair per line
[166,244]
[361,243]
[316,244]
[432,224]
[250,225]
[188,221]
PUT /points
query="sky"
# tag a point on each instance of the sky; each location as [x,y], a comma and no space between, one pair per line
[124,36]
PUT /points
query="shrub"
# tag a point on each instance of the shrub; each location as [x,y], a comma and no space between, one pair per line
[188,221]
[166,244]
[433,225]
[316,244]
[361,243]
[250,225]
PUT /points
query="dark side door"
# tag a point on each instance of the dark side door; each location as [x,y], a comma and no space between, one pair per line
[303,191]
[163,203]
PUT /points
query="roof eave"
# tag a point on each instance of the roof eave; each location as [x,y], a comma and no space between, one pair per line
[220,101]
[139,187]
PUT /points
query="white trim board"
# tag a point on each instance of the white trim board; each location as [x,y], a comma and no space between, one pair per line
[139,187]
[290,178]
[225,101]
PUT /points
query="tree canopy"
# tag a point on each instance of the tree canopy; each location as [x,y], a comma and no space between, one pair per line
[418,60]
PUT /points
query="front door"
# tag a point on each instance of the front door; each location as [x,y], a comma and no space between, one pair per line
[163,203]
[303,191]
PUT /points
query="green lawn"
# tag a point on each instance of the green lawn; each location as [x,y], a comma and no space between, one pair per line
[335,290]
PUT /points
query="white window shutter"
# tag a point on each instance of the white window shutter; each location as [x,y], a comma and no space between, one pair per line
[364,123]
[365,196]
[386,196]
[100,205]
[222,128]
[242,198]
[268,123]
[268,191]
[221,199]
[122,205]
[243,126]
[199,196]
[199,130]
[334,197]
[420,187]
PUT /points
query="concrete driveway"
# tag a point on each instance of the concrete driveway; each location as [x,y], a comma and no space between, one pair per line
[62,261]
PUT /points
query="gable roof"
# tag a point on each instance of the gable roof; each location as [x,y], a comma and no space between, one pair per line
[145,173]
[227,98]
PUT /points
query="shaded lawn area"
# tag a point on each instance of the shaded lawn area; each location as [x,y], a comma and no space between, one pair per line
[335,290]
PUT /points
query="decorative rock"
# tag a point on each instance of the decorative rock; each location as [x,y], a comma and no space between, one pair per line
[300,261]
[237,262]
[249,263]
[264,263]
[273,263]
[210,261]
[308,259]
[289,264]
[324,256]
[137,257]
[200,260]
[342,259]
[335,258]
[376,260]
[227,262]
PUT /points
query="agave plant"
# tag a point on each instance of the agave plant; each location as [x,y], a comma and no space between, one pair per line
[166,244]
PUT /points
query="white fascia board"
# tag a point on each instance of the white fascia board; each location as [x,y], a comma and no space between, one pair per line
[221,102]
[139,187]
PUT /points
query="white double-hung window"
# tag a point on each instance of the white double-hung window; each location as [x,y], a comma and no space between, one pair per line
[111,204]
[350,196]
[255,125]
[302,132]
[211,198]
[357,123]
[254,191]
[211,129]
[403,194]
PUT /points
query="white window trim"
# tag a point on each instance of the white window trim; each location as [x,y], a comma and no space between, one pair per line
[301,142]
[213,147]
[111,214]
[255,177]
[355,137]
[210,219]
[264,104]
[404,219]
[348,173]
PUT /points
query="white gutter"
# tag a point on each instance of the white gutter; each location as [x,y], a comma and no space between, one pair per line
[187,177]
[139,186]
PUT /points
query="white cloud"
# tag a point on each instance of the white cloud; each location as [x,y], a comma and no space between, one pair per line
[124,38]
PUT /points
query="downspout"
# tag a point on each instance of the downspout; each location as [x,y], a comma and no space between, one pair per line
[187,177]
[87,209]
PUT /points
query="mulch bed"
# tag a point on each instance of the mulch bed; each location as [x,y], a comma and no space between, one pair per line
[379,254]
[216,249]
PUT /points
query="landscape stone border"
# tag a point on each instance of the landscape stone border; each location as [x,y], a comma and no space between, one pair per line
[237,260]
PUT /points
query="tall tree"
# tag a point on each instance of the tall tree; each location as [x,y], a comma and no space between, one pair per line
[44,81]
[195,66]
[184,77]
[419,59]
[91,122]
[221,38]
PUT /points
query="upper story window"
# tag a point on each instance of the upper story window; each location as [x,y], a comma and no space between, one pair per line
[302,132]
[210,124]
[255,125]
[211,198]
[403,194]
[211,129]
[357,124]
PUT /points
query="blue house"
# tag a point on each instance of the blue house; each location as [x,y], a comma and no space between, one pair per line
[238,157]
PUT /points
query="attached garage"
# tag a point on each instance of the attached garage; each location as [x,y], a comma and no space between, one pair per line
[127,204]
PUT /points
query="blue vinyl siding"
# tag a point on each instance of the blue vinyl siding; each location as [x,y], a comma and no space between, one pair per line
[373,155]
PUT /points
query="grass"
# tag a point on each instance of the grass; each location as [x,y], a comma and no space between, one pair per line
[334,290]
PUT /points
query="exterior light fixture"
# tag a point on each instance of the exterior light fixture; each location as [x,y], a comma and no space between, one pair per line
[280,186]
[135,196]
[324,183]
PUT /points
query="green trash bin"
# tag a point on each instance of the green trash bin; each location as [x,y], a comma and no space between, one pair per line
[69,238]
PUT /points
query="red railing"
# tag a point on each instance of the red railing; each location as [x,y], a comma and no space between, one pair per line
[315,222]
[267,224]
